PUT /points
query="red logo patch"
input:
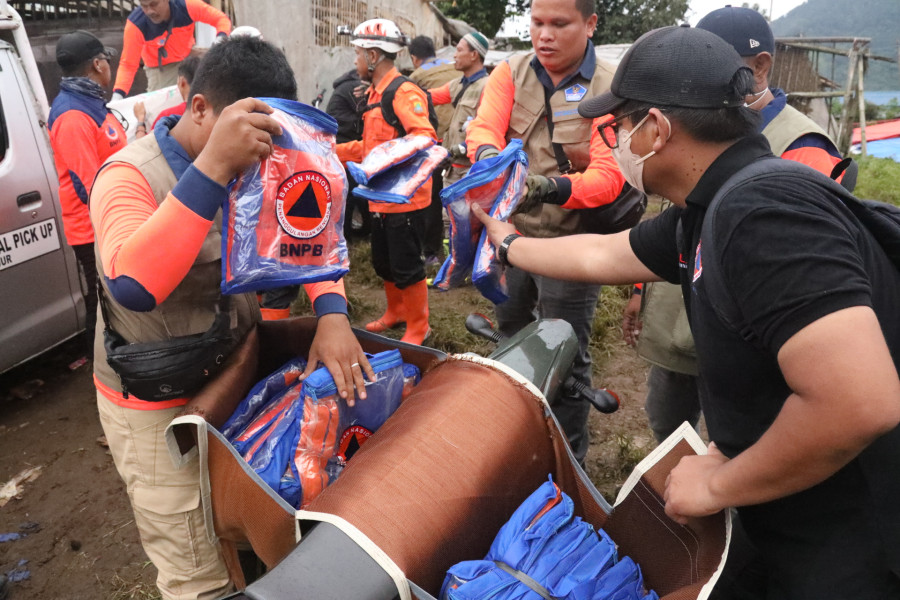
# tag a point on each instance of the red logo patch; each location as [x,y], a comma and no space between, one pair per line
[351,440]
[303,204]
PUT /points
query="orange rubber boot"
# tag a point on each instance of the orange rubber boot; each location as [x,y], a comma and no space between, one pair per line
[394,315]
[415,299]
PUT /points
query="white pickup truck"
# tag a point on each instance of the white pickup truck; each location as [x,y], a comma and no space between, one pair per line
[41,300]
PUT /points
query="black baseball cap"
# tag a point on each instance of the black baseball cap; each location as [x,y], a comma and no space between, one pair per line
[744,28]
[74,48]
[675,67]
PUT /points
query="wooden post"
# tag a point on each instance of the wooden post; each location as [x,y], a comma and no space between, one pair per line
[844,135]
[862,104]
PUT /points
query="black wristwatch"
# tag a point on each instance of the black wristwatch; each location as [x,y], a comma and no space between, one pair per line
[504,248]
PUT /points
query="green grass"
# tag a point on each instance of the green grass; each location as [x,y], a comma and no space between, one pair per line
[879,179]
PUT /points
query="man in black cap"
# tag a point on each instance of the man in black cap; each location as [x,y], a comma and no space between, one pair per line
[654,321]
[83,133]
[800,385]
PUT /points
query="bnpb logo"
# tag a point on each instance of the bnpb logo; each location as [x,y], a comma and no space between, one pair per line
[303,204]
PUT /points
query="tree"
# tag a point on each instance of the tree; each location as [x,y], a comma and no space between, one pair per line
[755,6]
[624,21]
[484,15]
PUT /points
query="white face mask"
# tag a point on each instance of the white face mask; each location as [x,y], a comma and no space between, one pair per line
[631,165]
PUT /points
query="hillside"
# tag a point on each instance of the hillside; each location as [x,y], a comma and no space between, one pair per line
[875,19]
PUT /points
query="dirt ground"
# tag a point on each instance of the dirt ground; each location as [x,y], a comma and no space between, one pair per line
[76,527]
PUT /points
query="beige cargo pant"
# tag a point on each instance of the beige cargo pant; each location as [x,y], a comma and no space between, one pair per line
[166,503]
[160,77]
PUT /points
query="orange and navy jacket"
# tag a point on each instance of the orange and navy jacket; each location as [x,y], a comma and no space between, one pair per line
[164,43]
[812,149]
[174,111]
[599,184]
[83,133]
[411,108]
[146,248]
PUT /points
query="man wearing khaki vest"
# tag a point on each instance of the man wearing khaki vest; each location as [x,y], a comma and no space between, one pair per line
[155,210]
[570,168]
[464,95]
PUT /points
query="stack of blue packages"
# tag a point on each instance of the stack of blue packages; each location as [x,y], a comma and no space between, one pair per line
[298,435]
[544,552]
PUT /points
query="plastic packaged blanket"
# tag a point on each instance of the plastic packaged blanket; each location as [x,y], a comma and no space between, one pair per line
[283,221]
[399,183]
[387,155]
[544,545]
[261,394]
[496,185]
[299,436]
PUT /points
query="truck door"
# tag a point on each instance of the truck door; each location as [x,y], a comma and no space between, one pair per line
[41,302]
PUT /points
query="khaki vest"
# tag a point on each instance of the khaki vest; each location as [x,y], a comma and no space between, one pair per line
[666,337]
[435,77]
[192,305]
[788,126]
[465,110]
[573,132]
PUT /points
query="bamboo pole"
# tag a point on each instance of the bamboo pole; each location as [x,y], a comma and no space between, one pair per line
[844,135]
[862,105]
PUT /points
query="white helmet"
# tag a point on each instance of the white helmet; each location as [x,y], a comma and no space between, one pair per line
[379,33]
[246,31]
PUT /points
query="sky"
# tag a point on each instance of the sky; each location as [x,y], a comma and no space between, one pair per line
[779,8]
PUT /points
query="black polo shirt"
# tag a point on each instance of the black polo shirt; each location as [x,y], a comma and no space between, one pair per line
[789,254]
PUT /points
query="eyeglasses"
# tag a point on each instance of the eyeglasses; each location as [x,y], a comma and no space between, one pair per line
[609,129]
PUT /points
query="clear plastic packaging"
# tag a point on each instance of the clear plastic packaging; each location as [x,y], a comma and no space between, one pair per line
[388,155]
[488,182]
[488,275]
[283,221]
[398,184]
[302,434]
[261,394]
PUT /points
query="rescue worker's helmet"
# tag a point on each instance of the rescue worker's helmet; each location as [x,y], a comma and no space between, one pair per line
[379,33]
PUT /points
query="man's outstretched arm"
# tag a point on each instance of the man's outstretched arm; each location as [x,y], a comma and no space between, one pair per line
[605,259]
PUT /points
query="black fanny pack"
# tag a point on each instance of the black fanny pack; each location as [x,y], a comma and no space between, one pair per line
[622,213]
[176,368]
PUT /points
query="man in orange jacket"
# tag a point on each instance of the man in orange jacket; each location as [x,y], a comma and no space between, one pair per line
[83,133]
[161,33]
[396,228]
[156,209]
[534,98]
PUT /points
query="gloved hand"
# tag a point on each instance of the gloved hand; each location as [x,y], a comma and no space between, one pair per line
[117,96]
[489,152]
[538,189]
[458,152]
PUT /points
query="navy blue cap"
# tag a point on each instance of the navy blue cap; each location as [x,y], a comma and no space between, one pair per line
[744,28]
[675,67]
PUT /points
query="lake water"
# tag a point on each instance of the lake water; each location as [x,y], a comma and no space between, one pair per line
[882,97]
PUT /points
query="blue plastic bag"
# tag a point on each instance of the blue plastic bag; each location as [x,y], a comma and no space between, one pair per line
[329,427]
[398,184]
[283,220]
[488,275]
[546,542]
[261,395]
[388,155]
[490,182]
